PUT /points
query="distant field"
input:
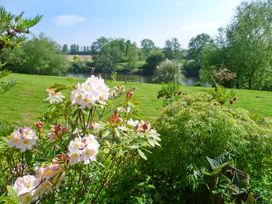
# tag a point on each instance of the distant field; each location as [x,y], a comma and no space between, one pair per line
[24,103]
[84,58]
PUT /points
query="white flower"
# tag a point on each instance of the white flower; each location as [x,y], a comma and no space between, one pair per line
[132,123]
[116,91]
[26,188]
[92,91]
[97,126]
[23,139]
[55,97]
[47,172]
[83,149]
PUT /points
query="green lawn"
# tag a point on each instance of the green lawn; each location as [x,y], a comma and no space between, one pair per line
[24,103]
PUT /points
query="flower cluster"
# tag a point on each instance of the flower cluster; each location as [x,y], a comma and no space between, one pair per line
[55,97]
[23,139]
[92,91]
[56,132]
[116,91]
[29,188]
[47,171]
[26,188]
[140,126]
[83,149]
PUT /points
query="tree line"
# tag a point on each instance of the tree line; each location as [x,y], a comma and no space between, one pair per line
[240,55]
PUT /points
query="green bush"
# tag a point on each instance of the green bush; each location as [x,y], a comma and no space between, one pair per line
[195,127]
[169,92]
[152,62]
[39,55]
[168,71]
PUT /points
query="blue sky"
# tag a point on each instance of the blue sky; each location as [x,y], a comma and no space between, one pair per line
[83,21]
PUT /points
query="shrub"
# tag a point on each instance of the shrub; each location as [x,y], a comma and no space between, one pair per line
[152,62]
[222,95]
[169,92]
[39,55]
[195,127]
[84,143]
[168,71]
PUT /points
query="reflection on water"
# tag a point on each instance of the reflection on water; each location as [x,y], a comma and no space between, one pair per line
[131,77]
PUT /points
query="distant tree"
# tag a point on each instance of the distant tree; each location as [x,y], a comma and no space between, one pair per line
[153,61]
[250,43]
[197,44]
[40,55]
[148,46]
[111,56]
[132,54]
[244,47]
[97,46]
[73,49]
[168,71]
[65,49]
[172,49]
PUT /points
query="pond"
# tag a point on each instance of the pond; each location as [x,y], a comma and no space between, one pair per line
[131,77]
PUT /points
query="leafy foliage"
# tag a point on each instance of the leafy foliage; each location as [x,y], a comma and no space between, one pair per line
[122,142]
[153,61]
[14,27]
[195,127]
[222,95]
[39,55]
[244,46]
[13,30]
[168,71]
[170,92]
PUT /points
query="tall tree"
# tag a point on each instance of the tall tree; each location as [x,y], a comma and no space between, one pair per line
[197,44]
[195,48]
[39,55]
[154,59]
[249,43]
[172,49]
[148,46]
[65,49]
[97,46]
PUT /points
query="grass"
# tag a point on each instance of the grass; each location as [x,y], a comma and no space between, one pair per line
[23,104]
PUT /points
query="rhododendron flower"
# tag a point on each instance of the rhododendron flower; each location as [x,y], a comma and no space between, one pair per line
[140,126]
[123,110]
[56,131]
[92,91]
[97,126]
[54,97]
[26,188]
[39,126]
[47,172]
[129,94]
[143,126]
[23,139]
[115,118]
[83,149]
[115,91]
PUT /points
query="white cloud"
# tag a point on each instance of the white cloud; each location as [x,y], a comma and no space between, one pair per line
[68,20]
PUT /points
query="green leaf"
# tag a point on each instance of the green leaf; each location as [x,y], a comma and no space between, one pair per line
[28,157]
[13,194]
[58,87]
[105,134]
[142,154]
[116,132]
